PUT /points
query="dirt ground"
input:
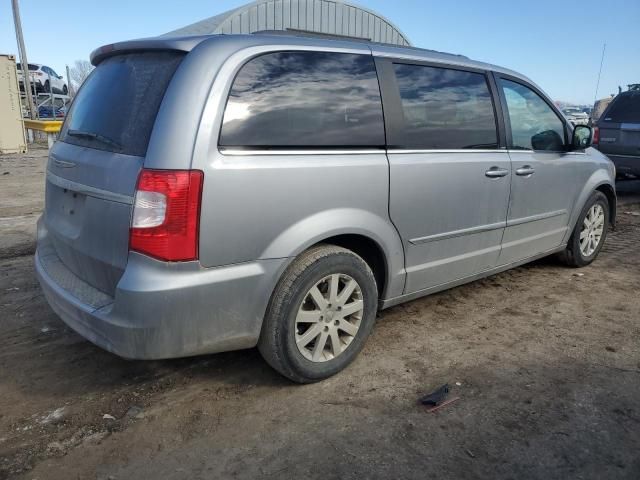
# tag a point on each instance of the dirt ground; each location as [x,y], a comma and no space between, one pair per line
[545,361]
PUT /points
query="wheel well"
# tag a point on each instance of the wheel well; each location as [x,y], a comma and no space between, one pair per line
[369,251]
[611,196]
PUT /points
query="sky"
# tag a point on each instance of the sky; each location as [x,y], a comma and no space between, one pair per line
[558,44]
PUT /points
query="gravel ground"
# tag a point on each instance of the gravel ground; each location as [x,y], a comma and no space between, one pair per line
[21,200]
[544,360]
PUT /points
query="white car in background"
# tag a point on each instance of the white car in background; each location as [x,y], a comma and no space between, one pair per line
[44,78]
[576,116]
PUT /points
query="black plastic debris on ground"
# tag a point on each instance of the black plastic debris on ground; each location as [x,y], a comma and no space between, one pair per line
[436,397]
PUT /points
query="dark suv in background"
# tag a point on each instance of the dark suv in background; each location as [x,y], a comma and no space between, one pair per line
[617,132]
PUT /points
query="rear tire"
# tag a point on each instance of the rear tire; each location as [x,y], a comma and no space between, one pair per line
[65,90]
[47,87]
[320,314]
[590,232]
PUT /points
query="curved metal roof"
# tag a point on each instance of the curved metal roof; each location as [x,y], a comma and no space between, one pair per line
[330,17]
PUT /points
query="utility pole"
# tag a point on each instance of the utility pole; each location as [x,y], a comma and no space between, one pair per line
[71,93]
[23,58]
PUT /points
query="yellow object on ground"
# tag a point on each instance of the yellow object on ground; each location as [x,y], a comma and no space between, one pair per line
[50,127]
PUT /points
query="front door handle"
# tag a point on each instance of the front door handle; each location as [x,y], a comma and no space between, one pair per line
[525,171]
[496,172]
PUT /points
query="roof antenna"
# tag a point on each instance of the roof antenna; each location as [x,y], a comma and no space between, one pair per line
[595,97]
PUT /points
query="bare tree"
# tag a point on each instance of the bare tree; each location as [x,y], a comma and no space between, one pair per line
[79,73]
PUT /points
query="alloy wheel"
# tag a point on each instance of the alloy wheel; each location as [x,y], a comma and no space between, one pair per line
[592,230]
[329,317]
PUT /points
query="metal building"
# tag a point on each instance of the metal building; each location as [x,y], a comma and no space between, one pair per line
[332,17]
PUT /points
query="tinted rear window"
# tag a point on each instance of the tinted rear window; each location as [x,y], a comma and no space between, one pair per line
[304,99]
[624,109]
[31,66]
[445,109]
[117,105]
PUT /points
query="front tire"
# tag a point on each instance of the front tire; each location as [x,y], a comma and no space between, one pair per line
[320,314]
[589,233]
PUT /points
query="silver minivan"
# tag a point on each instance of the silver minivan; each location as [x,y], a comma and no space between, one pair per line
[214,193]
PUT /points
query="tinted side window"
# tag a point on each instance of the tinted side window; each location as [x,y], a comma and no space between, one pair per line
[534,125]
[304,99]
[445,108]
[624,109]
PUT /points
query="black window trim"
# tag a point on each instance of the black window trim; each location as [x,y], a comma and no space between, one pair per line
[302,149]
[392,102]
[568,130]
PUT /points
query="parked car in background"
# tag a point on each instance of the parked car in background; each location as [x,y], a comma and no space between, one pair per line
[47,111]
[576,115]
[598,109]
[213,193]
[44,79]
[617,132]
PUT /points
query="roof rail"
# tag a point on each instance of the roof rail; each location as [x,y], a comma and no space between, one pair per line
[308,33]
[330,36]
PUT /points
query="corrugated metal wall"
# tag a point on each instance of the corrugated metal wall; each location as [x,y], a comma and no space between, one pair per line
[322,16]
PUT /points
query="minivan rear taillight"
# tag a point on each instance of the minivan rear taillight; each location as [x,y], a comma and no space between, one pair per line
[166,214]
[596,136]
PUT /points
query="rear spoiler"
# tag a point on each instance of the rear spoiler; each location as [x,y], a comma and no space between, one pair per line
[183,44]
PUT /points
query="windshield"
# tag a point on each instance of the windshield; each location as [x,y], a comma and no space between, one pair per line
[31,66]
[117,105]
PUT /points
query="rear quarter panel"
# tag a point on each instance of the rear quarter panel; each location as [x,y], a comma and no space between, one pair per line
[271,206]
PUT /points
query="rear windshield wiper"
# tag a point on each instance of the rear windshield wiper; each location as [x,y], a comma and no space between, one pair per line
[95,136]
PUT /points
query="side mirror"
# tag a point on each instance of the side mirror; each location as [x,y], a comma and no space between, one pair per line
[582,137]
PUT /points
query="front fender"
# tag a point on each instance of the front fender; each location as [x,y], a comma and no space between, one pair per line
[342,221]
[600,177]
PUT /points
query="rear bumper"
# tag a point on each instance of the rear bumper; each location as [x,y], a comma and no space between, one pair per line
[626,164]
[163,310]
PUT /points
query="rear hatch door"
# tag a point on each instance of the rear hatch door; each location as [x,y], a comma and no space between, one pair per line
[620,126]
[93,169]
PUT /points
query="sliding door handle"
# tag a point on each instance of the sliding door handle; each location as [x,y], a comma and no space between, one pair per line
[525,171]
[496,172]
